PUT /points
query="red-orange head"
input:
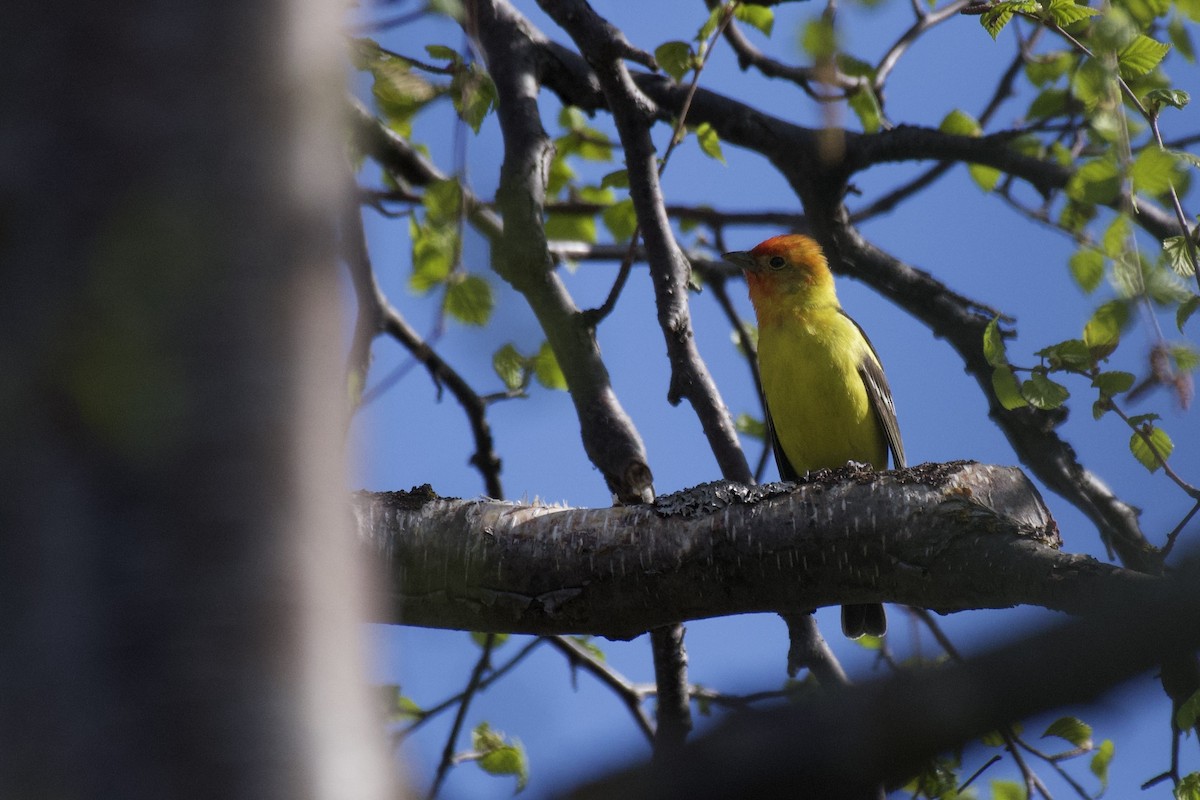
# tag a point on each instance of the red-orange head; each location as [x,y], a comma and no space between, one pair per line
[788,270]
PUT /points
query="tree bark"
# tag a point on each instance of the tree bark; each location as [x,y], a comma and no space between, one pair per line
[941,536]
[180,605]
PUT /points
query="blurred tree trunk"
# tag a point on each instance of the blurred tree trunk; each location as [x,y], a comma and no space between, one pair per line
[177,597]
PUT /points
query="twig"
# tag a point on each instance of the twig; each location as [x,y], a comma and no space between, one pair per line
[376,315]
[492,677]
[629,693]
[472,687]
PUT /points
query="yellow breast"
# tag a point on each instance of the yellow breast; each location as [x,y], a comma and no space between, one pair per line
[817,400]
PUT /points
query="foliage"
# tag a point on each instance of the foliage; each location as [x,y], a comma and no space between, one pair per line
[1086,143]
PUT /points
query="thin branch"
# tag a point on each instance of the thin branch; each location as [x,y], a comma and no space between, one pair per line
[522,258]
[472,687]
[376,315]
[629,693]
[924,22]
[493,676]
[804,77]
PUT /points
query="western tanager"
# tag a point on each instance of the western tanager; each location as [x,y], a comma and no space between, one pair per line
[827,400]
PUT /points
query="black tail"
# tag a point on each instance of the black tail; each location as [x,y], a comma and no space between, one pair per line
[864,618]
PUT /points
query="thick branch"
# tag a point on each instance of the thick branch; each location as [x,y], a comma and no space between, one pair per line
[521,256]
[947,537]
[634,115]
[846,742]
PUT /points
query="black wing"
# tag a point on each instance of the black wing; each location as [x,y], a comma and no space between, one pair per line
[786,471]
[880,395]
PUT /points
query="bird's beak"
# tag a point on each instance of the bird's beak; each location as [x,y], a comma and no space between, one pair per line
[742,259]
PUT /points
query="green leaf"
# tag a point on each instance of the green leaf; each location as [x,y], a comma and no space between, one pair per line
[1155,171]
[397,706]
[1007,790]
[710,143]
[399,92]
[985,177]
[993,344]
[960,123]
[433,250]
[1188,713]
[1072,354]
[499,757]
[1008,391]
[1102,333]
[996,17]
[1181,38]
[1162,285]
[759,17]
[480,639]
[596,194]
[437,51]
[1185,311]
[1092,83]
[1189,787]
[1178,256]
[1116,236]
[1175,98]
[1096,182]
[1087,267]
[865,106]
[618,179]
[1101,760]
[561,175]
[855,67]
[620,219]
[1140,56]
[1067,12]
[571,118]
[442,201]
[589,644]
[474,95]
[1189,8]
[571,227]
[674,58]
[1186,357]
[1049,103]
[1073,730]
[469,299]
[545,368]
[1075,215]
[449,8]
[1041,392]
[993,739]
[1128,277]
[1043,70]
[753,427]
[1141,449]
[710,24]
[1145,12]
[1113,382]
[819,38]
[511,366]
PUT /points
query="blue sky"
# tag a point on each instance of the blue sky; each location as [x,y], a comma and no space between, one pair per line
[971,241]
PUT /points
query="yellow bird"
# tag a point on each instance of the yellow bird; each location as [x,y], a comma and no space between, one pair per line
[827,400]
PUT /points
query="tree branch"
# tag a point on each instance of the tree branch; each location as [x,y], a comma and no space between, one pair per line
[848,741]
[946,537]
[634,115]
[521,256]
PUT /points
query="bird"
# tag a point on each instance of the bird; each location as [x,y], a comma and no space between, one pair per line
[826,398]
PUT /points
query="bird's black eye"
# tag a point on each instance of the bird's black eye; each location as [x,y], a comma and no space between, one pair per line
[777,262]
